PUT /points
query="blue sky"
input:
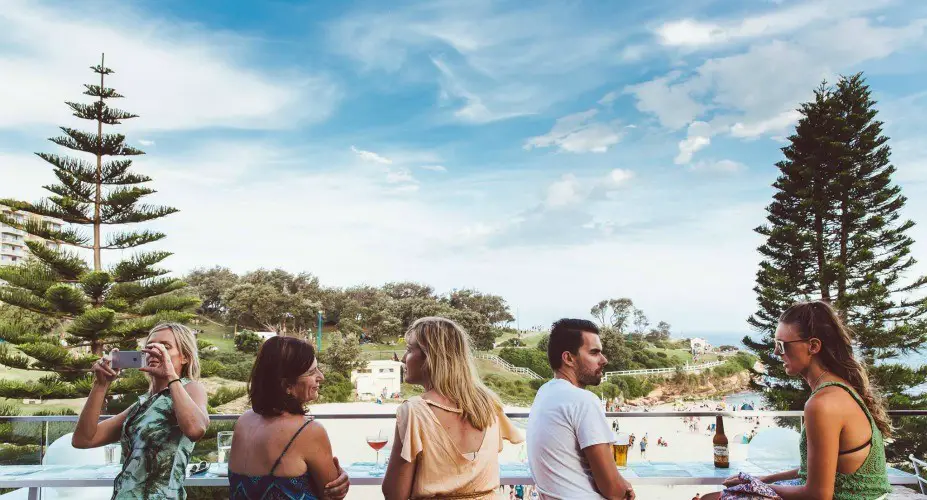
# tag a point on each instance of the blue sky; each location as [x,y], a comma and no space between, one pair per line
[556,153]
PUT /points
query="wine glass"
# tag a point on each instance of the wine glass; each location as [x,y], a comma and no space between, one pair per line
[377,442]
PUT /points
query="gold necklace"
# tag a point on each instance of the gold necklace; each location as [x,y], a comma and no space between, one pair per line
[815,384]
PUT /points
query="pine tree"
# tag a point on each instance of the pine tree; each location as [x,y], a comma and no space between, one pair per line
[795,240]
[836,233]
[95,308]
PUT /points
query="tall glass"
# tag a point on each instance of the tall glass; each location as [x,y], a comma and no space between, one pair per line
[224,442]
[377,442]
[111,454]
[620,449]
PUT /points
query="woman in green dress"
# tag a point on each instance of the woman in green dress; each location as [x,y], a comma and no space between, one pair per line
[157,433]
[842,443]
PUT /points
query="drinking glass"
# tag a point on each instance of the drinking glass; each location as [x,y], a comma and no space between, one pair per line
[620,449]
[224,441]
[377,442]
[111,454]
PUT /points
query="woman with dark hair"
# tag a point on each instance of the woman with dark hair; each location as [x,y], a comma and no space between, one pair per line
[277,452]
[842,443]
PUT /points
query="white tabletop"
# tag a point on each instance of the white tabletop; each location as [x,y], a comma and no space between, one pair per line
[365,474]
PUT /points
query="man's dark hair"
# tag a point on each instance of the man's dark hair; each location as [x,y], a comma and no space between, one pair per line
[566,335]
[279,364]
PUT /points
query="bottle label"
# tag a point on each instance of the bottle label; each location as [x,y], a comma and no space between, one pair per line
[721,452]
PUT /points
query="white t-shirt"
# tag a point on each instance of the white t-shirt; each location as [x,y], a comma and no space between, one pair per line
[564,420]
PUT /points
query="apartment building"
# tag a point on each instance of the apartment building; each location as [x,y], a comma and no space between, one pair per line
[13,241]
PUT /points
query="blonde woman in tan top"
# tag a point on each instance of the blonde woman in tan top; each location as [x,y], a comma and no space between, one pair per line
[447,440]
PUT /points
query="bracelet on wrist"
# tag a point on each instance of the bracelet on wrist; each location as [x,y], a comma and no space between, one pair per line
[172,381]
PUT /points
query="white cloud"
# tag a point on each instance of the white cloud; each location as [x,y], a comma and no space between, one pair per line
[754,91]
[434,168]
[693,33]
[471,107]
[723,166]
[493,61]
[608,98]
[671,101]
[563,192]
[146,142]
[400,176]
[697,137]
[175,76]
[371,156]
[776,124]
[617,178]
[578,133]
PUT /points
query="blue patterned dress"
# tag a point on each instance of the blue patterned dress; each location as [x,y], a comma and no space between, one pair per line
[271,487]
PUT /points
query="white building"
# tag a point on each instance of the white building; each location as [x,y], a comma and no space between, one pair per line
[13,247]
[699,346]
[377,376]
[265,335]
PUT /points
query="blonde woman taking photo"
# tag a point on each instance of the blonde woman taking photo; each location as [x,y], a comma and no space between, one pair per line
[447,440]
[157,433]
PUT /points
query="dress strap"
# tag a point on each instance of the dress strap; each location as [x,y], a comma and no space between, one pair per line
[862,405]
[287,447]
[443,407]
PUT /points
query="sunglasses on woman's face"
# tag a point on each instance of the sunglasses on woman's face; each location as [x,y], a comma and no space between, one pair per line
[198,468]
[780,345]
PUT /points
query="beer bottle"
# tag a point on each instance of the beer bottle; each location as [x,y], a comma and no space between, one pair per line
[720,445]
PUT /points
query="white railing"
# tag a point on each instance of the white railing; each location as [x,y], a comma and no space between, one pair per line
[665,371]
[508,366]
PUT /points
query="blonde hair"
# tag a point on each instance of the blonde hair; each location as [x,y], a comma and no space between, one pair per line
[186,343]
[451,370]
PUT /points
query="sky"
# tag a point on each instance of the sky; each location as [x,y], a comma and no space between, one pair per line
[555,153]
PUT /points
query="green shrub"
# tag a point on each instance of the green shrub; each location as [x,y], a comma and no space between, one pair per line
[336,389]
[225,395]
[248,341]
[202,344]
[238,371]
[513,391]
[544,342]
[532,359]
[210,368]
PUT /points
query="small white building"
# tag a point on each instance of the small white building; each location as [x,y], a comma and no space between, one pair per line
[265,335]
[699,346]
[378,377]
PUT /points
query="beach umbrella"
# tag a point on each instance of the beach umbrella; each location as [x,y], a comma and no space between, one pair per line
[746,406]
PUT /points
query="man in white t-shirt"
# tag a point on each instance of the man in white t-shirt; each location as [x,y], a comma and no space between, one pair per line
[569,439]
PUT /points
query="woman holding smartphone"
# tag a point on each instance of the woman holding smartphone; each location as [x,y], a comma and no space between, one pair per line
[157,432]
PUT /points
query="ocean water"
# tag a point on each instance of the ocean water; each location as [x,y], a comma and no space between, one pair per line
[914,360]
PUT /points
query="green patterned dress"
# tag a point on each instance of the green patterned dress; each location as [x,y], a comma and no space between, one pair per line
[870,480]
[155,451]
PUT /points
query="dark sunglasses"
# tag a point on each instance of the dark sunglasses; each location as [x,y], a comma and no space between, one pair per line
[780,344]
[198,468]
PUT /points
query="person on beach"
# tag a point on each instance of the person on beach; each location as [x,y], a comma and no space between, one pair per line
[158,431]
[277,452]
[842,442]
[644,447]
[569,439]
[447,440]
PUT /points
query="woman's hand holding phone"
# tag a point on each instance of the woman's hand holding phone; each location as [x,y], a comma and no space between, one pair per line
[103,371]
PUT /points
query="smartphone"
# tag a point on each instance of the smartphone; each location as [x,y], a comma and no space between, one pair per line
[128,359]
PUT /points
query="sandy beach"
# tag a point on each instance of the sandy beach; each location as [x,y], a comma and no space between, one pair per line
[349,440]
